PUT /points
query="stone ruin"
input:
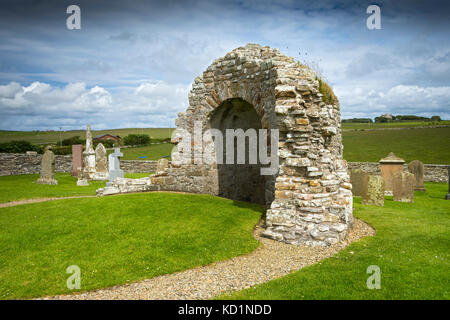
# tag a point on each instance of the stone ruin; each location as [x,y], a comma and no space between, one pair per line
[309,199]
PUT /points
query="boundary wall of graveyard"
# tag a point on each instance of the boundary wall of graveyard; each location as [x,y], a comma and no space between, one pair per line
[21,163]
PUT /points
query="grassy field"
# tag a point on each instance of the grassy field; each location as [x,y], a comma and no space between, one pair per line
[411,247]
[25,187]
[427,145]
[118,239]
[151,152]
[54,136]
[406,124]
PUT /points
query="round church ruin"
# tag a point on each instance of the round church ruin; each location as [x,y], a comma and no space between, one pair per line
[257,89]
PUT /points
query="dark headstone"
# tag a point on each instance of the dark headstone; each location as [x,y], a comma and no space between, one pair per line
[448,194]
[47,168]
[416,168]
[403,186]
[77,159]
[373,190]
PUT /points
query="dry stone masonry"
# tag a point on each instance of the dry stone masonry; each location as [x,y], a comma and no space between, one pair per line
[309,200]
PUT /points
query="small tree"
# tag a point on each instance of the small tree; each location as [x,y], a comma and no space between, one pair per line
[435,118]
[136,139]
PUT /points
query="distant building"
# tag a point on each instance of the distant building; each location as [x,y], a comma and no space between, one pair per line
[387,116]
[107,136]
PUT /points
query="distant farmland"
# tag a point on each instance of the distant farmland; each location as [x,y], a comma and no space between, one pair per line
[429,145]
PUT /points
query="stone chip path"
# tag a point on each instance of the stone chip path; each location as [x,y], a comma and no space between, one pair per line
[271,260]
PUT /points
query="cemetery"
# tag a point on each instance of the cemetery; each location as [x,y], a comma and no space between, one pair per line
[181,228]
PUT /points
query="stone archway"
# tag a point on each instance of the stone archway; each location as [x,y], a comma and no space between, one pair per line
[310,199]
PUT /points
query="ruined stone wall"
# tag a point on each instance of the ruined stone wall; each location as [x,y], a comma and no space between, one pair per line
[138,166]
[309,199]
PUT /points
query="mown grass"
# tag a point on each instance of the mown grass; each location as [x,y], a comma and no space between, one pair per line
[21,187]
[428,145]
[411,247]
[118,239]
[151,152]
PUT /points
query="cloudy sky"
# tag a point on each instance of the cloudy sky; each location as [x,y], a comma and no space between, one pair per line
[132,62]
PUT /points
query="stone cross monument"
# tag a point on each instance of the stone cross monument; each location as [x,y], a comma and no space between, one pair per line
[89,156]
[114,165]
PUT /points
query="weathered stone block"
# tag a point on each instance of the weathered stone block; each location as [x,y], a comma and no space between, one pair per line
[403,185]
[373,190]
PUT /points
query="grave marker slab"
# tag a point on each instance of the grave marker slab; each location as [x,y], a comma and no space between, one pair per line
[101,163]
[357,177]
[403,186]
[373,190]
[390,166]
[47,168]
[416,168]
[448,194]
[77,159]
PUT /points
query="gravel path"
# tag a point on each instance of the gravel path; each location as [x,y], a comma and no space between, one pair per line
[271,260]
[27,201]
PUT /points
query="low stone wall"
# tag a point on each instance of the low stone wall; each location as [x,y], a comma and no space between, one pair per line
[433,172]
[137,166]
[21,163]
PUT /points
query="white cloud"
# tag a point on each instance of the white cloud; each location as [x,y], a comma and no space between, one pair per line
[73,106]
[400,99]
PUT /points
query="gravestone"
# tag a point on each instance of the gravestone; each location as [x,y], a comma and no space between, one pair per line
[82,181]
[448,194]
[373,190]
[356,179]
[390,166]
[47,168]
[77,159]
[403,186]
[101,163]
[114,165]
[162,165]
[416,168]
[89,156]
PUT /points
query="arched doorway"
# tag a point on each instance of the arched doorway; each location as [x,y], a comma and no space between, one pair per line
[238,181]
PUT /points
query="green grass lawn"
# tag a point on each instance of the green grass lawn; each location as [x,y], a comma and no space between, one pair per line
[117,239]
[152,152]
[427,145]
[25,187]
[411,247]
